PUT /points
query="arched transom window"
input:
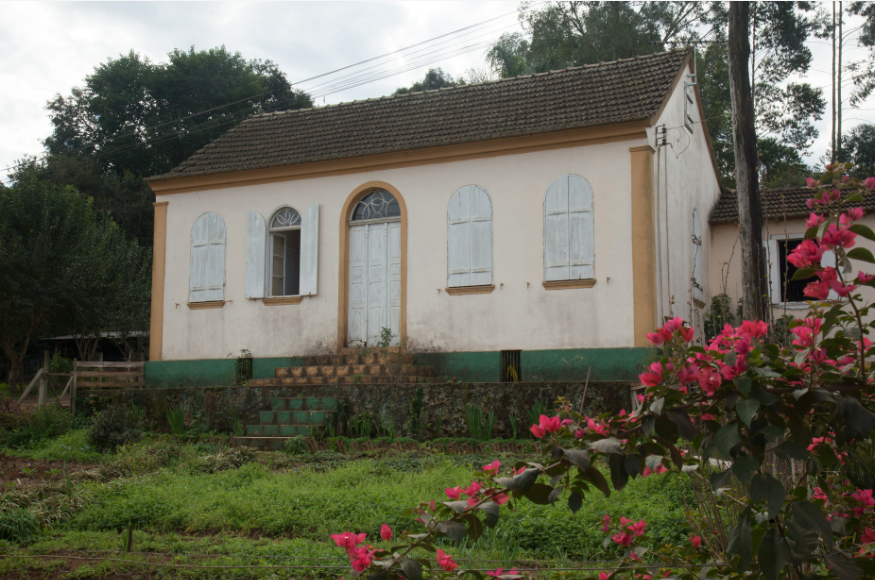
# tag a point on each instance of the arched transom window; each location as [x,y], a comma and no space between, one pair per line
[569,237]
[285,218]
[285,252]
[379,204]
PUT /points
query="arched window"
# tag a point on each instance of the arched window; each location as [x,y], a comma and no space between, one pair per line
[698,287]
[379,204]
[469,238]
[285,252]
[207,274]
[569,238]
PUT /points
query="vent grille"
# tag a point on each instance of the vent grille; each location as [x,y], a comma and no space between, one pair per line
[511,371]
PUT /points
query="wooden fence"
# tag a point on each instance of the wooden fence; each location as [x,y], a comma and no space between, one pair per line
[89,375]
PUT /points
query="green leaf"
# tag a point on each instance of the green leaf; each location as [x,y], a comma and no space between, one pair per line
[854,197]
[453,530]
[858,418]
[843,568]
[619,477]
[766,487]
[666,428]
[554,495]
[805,541]
[539,493]
[725,439]
[475,527]
[521,482]
[682,421]
[720,479]
[860,253]
[656,406]
[457,506]
[577,457]
[746,409]
[608,445]
[830,318]
[765,398]
[575,501]
[648,426]
[743,385]
[740,541]
[791,449]
[744,467]
[773,554]
[492,511]
[810,516]
[412,569]
[803,273]
[653,461]
[632,465]
[595,477]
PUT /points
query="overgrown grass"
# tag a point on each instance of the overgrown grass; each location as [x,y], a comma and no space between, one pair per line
[71,446]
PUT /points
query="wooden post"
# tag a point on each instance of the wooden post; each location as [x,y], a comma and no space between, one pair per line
[44,381]
[73,391]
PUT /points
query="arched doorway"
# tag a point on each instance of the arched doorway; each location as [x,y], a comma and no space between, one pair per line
[373,268]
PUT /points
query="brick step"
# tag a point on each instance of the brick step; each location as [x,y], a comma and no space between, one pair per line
[348,380]
[312,417]
[280,430]
[262,443]
[303,404]
[352,370]
[357,358]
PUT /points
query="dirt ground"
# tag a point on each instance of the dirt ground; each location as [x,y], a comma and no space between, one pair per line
[30,472]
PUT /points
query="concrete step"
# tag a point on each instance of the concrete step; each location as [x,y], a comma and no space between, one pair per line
[348,380]
[358,358]
[262,443]
[303,404]
[310,417]
[279,430]
[350,370]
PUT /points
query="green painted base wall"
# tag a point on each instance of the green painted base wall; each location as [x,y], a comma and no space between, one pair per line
[210,372]
[608,364]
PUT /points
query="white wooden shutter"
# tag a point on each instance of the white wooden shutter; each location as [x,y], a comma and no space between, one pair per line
[310,250]
[207,274]
[469,238]
[697,244]
[569,230]
[256,236]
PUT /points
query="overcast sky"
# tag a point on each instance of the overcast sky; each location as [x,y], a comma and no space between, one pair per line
[47,48]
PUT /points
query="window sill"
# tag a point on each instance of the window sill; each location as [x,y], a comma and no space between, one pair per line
[698,303]
[564,284]
[791,305]
[281,300]
[206,305]
[460,290]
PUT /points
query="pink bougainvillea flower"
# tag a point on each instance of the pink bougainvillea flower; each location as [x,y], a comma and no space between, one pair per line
[868,536]
[697,541]
[817,493]
[638,527]
[869,183]
[432,506]
[580,433]
[492,467]
[606,524]
[810,182]
[599,428]
[707,417]
[623,539]
[751,329]
[852,215]
[500,572]
[360,558]
[500,498]
[815,441]
[520,470]
[688,334]
[814,220]
[454,492]
[709,380]
[655,338]
[864,496]
[386,532]
[833,237]
[864,278]
[650,379]
[546,425]
[817,290]
[473,488]
[348,540]
[659,469]
[817,356]
[674,324]
[604,575]
[805,254]
[445,561]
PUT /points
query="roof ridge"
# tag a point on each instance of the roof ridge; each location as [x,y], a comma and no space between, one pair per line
[468,85]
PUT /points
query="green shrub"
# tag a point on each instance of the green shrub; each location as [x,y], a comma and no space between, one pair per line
[17,525]
[176,418]
[27,428]
[114,426]
[71,446]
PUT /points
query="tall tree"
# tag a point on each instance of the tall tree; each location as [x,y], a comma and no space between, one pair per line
[750,213]
[859,149]
[863,70]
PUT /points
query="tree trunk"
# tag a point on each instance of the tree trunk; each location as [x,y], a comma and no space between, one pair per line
[750,214]
[838,154]
[832,153]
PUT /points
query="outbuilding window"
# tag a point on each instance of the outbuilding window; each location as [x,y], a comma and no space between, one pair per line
[469,238]
[569,236]
[785,290]
[207,267]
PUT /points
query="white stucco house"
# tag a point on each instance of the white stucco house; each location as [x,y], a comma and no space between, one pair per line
[560,216]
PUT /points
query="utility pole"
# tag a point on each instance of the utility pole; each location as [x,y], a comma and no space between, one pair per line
[838,155]
[750,214]
[833,139]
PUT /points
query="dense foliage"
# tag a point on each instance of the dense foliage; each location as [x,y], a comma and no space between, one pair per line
[116,425]
[767,427]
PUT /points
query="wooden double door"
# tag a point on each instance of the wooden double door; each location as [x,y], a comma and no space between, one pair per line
[374,282]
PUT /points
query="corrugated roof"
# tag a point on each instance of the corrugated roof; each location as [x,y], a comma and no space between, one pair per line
[607,93]
[777,203]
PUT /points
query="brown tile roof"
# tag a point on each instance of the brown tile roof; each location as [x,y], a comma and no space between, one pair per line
[615,92]
[777,203]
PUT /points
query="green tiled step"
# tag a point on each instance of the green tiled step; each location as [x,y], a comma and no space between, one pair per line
[310,417]
[303,403]
[262,443]
[351,370]
[279,430]
[348,380]
[358,359]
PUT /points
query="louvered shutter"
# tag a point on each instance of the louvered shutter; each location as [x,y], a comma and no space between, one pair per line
[256,236]
[207,275]
[310,250]
[569,235]
[697,245]
[469,238]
